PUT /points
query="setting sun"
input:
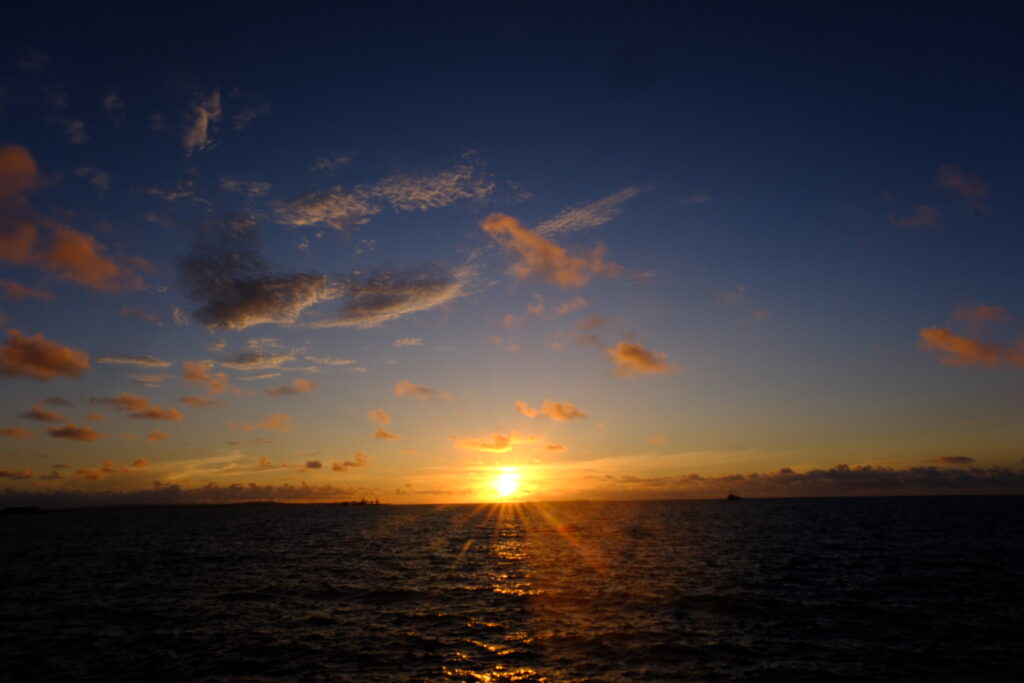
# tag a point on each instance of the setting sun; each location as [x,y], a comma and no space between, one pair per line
[506,483]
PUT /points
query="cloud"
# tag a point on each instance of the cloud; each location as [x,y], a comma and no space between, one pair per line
[407,341]
[498,442]
[695,199]
[385,435]
[147,380]
[140,314]
[42,415]
[631,359]
[979,316]
[421,392]
[654,440]
[201,372]
[74,433]
[75,131]
[19,474]
[379,416]
[340,209]
[115,108]
[570,306]
[15,433]
[95,177]
[841,480]
[56,401]
[588,215]
[139,407]
[247,115]
[313,464]
[959,351]
[127,359]
[157,435]
[953,460]
[34,61]
[298,386]
[199,401]
[924,217]
[511,348]
[524,408]
[235,288]
[205,113]
[28,238]
[760,315]
[94,417]
[358,461]
[174,494]
[40,358]
[248,188]
[970,188]
[9,289]
[540,257]
[256,359]
[326,163]
[382,295]
[108,467]
[279,422]
[327,360]
[557,411]
[732,297]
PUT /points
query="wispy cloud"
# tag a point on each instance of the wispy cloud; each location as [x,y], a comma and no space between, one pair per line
[358,461]
[74,433]
[205,113]
[235,288]
[923,217]
[383,295]
[540,257]
[248,188]
[127,359]
[970,188]
[9,289]
[247,115]
[385,435]
[420,391]
[497,442]
[379,416]
[298,386]
[279,422]
[588,215]
[340,209]
[407,341]
[138,407]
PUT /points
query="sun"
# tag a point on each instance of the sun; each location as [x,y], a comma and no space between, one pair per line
[506,483]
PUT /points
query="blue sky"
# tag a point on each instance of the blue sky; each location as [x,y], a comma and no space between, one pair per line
[733,239]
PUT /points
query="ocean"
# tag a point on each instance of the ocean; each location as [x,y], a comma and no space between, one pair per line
[854,589]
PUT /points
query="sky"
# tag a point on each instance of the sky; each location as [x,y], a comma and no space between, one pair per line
[456,253]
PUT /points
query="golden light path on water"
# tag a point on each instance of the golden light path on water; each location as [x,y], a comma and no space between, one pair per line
[524,538]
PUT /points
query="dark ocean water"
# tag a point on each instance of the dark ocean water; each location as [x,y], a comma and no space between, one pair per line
[902,589]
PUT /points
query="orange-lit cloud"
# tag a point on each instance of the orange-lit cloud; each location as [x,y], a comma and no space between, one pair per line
[279,422]
[420,391]
[15,433]
[16,474]
[496,442]
[588,215]
[632,359]
[540,257]
[558,411]
[379,416]
[139,407]
[958,351]
[15,290]
[41,414]
[157,435]
[199,401]
[924,217]
[94,417]
[298,386]
[201,372]
[971,188]
[107,467]
[953,460]
[358,461]
[385,435]
[978,316]
[657,440]
[39,358]
[74,433]
[126,359]
[29,239]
